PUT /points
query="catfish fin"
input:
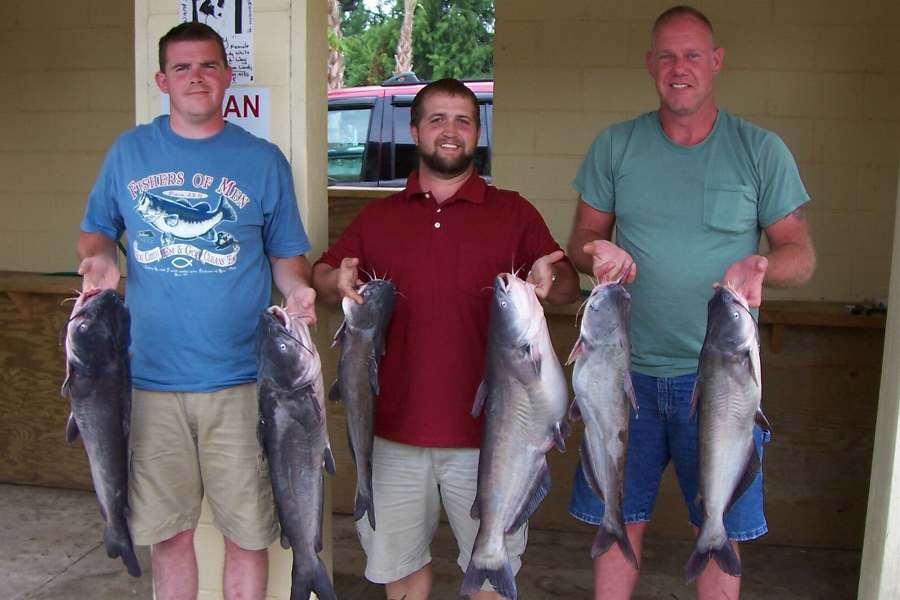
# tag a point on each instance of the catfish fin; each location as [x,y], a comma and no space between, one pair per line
[539,491]
[755,367]
[71,429]
[589,472]
[762,421]
[574,411]
[339,334]
[750,473]
[576,352]
[561,431]
[480,397]
[629,393]
[328,458]
[334,392]
[373,373]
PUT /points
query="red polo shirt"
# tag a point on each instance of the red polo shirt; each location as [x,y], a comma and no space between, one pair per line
[443,260]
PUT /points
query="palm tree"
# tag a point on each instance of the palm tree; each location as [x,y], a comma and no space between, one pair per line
[403,57]
[335,54]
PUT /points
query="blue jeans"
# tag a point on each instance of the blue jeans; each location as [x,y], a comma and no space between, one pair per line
[661,431]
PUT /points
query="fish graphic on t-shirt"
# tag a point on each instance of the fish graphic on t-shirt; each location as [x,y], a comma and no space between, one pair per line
[182,220]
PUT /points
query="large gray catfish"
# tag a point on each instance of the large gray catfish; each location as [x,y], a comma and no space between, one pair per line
[98,386]
[727,397]
[524,396]
[361,337]
[603,397]
[294,436]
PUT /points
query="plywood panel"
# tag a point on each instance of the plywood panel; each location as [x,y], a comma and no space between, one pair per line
[32,367]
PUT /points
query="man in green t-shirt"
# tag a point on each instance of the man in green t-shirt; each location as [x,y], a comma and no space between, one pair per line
[688,189]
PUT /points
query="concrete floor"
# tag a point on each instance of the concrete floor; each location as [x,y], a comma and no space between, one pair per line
[51,549]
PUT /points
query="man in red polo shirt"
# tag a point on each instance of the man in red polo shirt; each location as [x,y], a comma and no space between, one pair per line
[442,240]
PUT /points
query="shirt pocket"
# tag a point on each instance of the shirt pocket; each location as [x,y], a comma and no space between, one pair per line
[730,208]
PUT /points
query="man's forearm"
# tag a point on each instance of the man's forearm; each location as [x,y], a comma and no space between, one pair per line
[95,244]
[790,265]
[325,279]
[288,273]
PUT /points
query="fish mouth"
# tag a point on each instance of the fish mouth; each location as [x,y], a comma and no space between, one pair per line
[737,296]
[281,315]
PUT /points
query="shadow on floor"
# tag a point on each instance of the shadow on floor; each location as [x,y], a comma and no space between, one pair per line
[51,550]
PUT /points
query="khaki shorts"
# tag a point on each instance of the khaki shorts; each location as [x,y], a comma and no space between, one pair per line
[409,484]
[185,445]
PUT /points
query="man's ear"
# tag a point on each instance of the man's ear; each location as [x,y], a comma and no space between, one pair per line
[162,82]
[414,132]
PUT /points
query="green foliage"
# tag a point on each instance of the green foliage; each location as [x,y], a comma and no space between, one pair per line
[451,38]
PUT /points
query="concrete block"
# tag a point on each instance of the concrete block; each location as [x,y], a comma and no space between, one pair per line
[817,11]
[51,172]
[877,189]
[536,88]
[112,90]
[53,91]
[882,49]
[539,10]
[618,90]
[841,48]
[883,11]
[515,132]
[515,43]
[870,235]
[831,280]
[637,42]
[112,13]
[748,13]
[536,176]
[820,95]
[787,46]
[870,279]
[743,92]
[51,15]
[831,187]
[31,216]
[571,133]
[11,248]
[105,48]
[49,251]
[580,43]
[881,97]
[797,133]
[21,54]
[830,229]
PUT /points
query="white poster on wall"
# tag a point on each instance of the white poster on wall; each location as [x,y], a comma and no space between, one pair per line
[233,20]
[244,106]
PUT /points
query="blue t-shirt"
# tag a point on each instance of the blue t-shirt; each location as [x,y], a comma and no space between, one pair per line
[201,217]
[685,214]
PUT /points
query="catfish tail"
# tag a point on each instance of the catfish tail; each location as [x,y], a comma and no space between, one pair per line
[364,506]
[604,540]
[118,544]
[724,556]
[502,579]
[318,583]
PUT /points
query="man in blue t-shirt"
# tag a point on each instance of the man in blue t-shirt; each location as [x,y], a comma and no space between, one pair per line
[689,189]
[211,220]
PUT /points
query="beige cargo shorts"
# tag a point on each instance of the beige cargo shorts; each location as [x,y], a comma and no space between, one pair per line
[184,445]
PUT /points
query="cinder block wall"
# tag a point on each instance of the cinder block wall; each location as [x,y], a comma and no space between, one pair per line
[823,75]
[66,92]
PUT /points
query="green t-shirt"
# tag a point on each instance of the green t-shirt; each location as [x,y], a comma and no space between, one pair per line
[685,214]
